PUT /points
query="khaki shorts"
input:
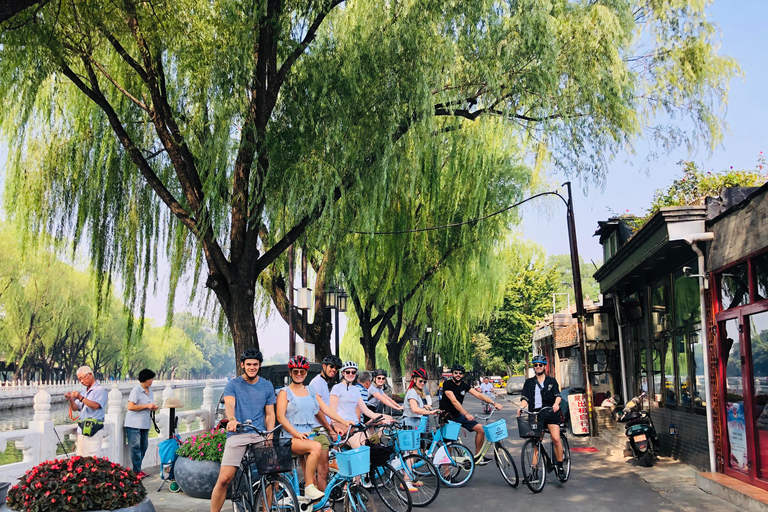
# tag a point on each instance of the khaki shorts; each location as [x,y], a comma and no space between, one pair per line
[322,438]
[234,449]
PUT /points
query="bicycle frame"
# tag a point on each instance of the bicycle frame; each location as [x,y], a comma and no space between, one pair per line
[335,481]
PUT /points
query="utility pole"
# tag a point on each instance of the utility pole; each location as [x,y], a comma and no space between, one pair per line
[576,270]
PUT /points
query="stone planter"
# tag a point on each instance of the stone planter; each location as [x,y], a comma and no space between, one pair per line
[144,506]
[4,486]
[196,477]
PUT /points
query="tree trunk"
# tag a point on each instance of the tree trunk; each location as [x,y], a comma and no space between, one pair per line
[395,368]
[241,319]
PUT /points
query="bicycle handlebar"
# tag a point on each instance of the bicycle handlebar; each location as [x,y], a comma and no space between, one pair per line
[359,427]
[537,412]
[247,426]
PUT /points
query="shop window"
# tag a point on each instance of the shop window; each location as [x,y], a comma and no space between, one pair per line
[670,391]
[687,298]
[683,375]
[659,307]
[697,369]
[734,287]
[657,357]
[761,276]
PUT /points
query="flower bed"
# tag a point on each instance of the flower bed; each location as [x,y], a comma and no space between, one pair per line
[197,468]
[207,446]
[76,484]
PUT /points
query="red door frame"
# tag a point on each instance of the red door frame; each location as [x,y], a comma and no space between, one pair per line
[745,344]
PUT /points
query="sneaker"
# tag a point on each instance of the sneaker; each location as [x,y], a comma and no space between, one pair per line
[481,461]
[417,483]
[560,471]
[411,487]
[313,493]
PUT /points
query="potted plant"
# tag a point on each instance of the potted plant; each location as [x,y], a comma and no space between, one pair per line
[79,484]
[197,468]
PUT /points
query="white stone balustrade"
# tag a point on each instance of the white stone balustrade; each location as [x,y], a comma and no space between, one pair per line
[40,441]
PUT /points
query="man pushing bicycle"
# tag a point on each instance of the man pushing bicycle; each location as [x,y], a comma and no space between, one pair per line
[541,391]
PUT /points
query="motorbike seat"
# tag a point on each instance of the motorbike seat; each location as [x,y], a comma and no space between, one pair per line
[638,429]
[637,421]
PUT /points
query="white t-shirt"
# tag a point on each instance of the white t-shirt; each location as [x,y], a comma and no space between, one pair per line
[320,387]
[349,399]
[486,389]
[372,400]
[537,404]
[407,411]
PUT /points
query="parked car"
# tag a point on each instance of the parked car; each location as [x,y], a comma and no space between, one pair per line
[515,384]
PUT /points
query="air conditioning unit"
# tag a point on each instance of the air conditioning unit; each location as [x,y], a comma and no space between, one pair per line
[598,327]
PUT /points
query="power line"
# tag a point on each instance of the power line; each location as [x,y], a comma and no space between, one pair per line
[457,224]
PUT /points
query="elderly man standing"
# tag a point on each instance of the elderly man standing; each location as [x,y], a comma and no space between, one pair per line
[91,403]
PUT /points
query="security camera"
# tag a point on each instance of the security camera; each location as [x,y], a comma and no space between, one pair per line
[687,271]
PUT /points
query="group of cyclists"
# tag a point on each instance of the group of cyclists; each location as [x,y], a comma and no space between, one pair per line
[316,414]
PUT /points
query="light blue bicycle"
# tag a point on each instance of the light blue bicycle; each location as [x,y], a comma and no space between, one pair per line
[454,462]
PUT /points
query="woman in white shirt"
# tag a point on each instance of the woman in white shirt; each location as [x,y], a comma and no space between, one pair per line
[348,403]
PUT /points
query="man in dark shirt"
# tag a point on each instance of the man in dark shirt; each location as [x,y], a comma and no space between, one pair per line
[454,391]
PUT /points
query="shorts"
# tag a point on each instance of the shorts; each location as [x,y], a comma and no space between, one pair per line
[464,422]
[322,437]
[411,422]
[234,448]
[550,417]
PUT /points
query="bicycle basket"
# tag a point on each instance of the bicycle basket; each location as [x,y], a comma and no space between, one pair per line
[529,425]
[271,456]
[450,431]
[496,431]
[355,462]
[408,439]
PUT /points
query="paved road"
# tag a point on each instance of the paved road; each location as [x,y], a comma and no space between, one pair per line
[597,484]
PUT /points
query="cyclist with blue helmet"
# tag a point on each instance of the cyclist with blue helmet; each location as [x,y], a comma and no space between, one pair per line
[540,391]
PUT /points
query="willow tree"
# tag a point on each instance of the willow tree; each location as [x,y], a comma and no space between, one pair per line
[219,131]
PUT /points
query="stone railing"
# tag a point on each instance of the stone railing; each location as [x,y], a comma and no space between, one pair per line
[12,389]
[39,442]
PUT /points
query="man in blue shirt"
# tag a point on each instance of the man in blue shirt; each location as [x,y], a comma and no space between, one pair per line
[247,397]
[91,403]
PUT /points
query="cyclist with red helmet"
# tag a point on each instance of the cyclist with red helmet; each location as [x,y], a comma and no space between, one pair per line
[297,411]
[413,405]
[539,391]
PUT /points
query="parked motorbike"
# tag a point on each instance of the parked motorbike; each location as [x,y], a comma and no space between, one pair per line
[639,429]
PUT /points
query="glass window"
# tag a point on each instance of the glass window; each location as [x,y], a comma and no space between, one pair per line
[734,287]
[686,298]
[670,392]
[659,308]
[657,369]
[758,334]
[697,370]
[761,276]
[684,379]
[734,397]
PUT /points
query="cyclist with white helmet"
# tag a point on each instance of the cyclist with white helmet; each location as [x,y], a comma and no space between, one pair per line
[297,410]
[348,403]
[541,391]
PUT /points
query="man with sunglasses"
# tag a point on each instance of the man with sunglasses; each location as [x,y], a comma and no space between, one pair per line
[454,391]
[321,385]
[541,391]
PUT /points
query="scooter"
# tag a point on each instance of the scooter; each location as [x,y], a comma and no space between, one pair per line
[639,429]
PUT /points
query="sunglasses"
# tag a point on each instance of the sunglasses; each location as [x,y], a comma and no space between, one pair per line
[380,377]
[420,381]
[538,365]
[458,373]
[332,367]
[350,372]
[299,371]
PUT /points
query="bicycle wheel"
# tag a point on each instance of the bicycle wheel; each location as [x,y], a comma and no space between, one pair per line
[506,464]
[424,475]
[277,495]
[241,499]
[355,500]
[533,465]
[391,488]
[566,458]
[455,464]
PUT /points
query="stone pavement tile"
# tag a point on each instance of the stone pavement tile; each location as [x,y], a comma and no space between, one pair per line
[167,501]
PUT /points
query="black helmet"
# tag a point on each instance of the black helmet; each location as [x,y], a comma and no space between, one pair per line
[378,372]
[334,360]
[458,367]
[541,359]
[251,353]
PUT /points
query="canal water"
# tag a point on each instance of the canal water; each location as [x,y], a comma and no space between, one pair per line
[18,419]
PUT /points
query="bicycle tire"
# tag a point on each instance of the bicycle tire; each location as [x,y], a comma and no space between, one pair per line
[420,469]
[534,475]
[282,497]
[461,465]
[391,488]
[566,458]
[241,502]
[355,500]
[506,464]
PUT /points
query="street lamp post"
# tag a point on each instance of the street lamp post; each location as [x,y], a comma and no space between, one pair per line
[336,299]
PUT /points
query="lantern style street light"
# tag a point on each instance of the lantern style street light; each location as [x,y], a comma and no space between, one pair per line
[336,299]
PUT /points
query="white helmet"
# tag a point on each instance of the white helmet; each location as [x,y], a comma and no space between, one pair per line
[348,364]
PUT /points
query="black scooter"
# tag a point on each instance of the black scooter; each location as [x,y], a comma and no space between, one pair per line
[639,429]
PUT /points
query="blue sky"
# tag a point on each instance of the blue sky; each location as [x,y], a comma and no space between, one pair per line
[630,184]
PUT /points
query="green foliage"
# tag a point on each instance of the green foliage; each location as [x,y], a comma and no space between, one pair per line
[206,446]
[695,185]
[76,484]
[589,287]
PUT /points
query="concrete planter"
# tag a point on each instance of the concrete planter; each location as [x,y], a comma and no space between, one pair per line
[4,486]
[196,477]
[144,506]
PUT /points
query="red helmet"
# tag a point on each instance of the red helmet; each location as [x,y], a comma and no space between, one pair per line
[298,362]
[419,373]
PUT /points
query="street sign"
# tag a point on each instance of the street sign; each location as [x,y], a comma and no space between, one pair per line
[577,405]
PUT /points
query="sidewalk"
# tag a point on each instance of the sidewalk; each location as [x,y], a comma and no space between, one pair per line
[167,501]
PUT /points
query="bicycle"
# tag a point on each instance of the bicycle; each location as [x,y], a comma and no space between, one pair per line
[454,461]
[535,467]
[495,433]
[266,459]
[418,469]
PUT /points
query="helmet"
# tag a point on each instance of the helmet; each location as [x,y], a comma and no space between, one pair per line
[331,359]
[539,359]
[419,373]
[251,353]
[378,372]
[347,365]
[458,367]
[298,362]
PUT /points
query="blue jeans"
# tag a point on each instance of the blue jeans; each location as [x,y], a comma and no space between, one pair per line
[138,440]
